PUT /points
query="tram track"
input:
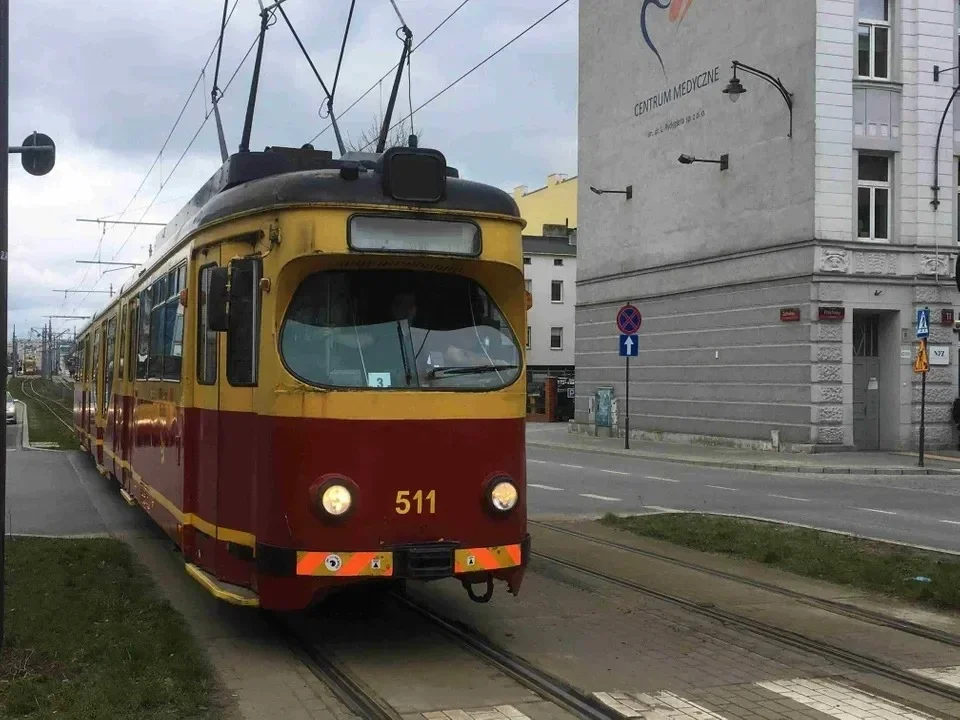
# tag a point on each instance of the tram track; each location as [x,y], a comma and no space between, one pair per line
[361,699]
[849,658]
[837,608]
[31,392]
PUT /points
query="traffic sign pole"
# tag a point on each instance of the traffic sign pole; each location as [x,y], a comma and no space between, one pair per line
[922,364]
[923,402]
[626,435]
[629,320]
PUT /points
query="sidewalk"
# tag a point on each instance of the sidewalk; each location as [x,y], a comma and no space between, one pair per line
[557,436]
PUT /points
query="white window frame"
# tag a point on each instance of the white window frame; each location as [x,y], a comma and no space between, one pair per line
[528,285]
[529,335]
[873,24]
[552,347]
[873,186]
[553,284]
[558,262]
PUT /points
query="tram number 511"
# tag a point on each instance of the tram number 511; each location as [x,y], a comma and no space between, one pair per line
[404,504]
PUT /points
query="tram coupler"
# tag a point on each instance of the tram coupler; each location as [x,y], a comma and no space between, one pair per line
[485,598]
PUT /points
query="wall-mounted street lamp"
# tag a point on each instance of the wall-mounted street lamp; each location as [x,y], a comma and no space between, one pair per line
[735,88]
[723,162]
[628,191]
[937,71]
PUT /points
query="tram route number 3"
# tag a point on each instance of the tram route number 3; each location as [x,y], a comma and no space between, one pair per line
[406,503]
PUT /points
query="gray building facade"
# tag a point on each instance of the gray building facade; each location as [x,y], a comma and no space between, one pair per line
[779,295]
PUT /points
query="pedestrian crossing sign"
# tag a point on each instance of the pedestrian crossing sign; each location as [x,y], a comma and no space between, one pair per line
[923,323]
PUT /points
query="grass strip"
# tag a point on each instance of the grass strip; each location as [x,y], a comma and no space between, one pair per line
[863,564]
[44,425]
[89,636]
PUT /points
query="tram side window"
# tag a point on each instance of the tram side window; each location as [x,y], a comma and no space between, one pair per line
[121,342]
[158,303]
[173,324]
[143,341]
[243,333]
[131,347]
[96,369]
[206,338]
[111,349]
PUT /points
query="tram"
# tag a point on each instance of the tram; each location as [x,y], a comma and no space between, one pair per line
[317,380]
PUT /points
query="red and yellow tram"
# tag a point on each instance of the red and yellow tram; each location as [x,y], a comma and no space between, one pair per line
[318,379]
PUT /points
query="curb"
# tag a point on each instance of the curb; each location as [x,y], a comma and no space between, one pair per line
[743,464]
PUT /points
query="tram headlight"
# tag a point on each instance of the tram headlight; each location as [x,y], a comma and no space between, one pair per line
[503,495]
[336,500]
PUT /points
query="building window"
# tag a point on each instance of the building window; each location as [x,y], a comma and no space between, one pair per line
[558,262]
[528,284]
[529,334]
[556,338]
[556,291]
[873,41]
[873,197]
[526,261]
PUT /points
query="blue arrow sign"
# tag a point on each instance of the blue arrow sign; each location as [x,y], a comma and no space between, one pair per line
[629,346]
[923,323]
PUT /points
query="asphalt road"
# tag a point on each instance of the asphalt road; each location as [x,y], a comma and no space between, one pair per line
[920,510]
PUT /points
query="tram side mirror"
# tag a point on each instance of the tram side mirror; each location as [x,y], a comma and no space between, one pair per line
[217,318]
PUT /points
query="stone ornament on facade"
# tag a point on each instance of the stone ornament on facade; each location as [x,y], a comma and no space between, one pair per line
[938,264]
[831,435]
[835,261]
[875,263]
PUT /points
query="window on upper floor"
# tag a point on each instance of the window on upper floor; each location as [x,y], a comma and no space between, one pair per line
[529,333]
[873,197]
[558,262]
[873,39]
[556,338]
[528,285]
[556,291]
[526,261]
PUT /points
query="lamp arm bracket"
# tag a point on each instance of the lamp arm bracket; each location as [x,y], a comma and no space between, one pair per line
[775,81]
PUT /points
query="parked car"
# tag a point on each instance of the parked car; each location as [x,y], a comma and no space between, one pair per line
[11,409]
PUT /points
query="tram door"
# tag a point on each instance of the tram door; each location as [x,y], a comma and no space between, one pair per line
[207,404]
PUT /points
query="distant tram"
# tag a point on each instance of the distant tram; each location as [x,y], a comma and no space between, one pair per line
[318,379]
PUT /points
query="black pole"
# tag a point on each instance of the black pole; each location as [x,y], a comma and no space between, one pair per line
[382,142]
[4,145]
[254,84]
[936,153]
[626,434]
[923,399]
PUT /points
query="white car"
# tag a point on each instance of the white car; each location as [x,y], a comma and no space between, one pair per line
[11,409]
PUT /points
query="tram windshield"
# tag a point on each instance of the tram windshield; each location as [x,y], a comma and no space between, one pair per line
[397,329]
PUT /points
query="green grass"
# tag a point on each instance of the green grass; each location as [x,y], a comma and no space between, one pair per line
[88,636]
[862,564]
[44,426]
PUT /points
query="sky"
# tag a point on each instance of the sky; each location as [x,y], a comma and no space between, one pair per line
[107,83]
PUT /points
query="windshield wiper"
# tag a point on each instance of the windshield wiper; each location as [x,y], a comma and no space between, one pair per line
[470,369]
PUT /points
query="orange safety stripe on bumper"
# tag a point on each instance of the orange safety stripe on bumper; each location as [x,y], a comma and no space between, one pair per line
[492,558]
[344,564]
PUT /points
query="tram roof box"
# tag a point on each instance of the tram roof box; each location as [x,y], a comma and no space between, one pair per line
[414,174]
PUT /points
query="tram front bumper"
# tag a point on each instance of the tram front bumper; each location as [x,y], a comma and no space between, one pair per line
[421,561]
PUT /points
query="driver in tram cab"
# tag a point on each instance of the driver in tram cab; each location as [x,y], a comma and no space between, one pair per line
[430,355]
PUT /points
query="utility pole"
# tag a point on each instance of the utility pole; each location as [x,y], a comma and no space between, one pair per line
[37,155]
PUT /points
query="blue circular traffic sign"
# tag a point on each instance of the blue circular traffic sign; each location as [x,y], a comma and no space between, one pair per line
[629,320]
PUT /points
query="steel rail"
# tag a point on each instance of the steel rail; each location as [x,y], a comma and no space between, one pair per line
[547,686]
[838,608]
[854,660]
[350,690]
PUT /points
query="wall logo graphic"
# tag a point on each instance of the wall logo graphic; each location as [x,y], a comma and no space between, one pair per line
[678,10]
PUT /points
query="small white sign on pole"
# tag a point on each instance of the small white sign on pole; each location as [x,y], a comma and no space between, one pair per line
[939,354]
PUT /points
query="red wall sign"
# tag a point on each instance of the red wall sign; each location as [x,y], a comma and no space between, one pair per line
[831,312]
[789,314]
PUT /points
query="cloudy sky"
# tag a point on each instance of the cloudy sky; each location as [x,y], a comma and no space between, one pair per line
[108,80]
